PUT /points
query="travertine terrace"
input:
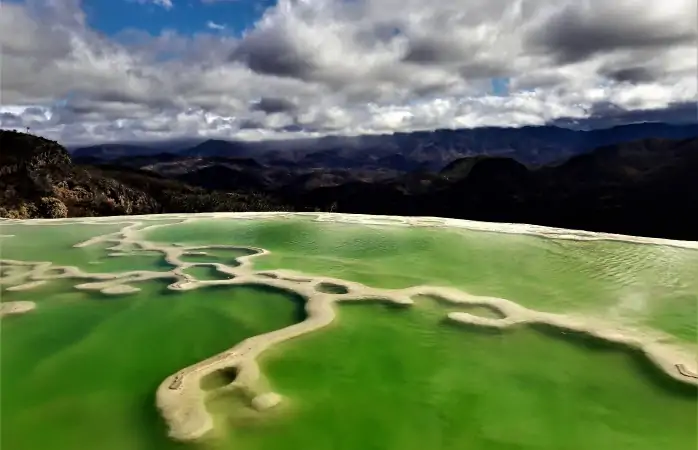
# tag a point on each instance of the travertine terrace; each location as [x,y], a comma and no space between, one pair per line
[180,397]
[10,308]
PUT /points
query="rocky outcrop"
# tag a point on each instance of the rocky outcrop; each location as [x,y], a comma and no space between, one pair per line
[39,180]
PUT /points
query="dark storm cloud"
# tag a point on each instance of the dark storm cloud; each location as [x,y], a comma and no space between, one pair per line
[574,35]
[272,53]
[34,111]
[9,120]
[271,105]
[109,109]
[606,114]
[250,124]
[430,51]
[682,112]
[114,100]
[631,74]
[475,69]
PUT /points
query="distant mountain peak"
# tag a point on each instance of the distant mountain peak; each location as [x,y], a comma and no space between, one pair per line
[433,150]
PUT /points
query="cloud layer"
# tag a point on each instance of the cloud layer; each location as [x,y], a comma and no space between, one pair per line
[317,67]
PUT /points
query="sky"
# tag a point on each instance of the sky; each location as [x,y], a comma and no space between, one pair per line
[92,71]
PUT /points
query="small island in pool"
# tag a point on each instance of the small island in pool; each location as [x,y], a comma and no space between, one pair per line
[316,330]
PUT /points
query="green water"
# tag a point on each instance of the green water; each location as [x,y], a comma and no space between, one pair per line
[52,294]
[331,288]
[217,255]
[96,259]
[391,378]
[17,279]
[49,242]
[55,243]
[432,302]
[677,315]
[205,272]
[82,369]
[635,282]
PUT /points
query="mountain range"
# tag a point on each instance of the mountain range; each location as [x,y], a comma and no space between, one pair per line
[638,186]
[422,150]
[646,188]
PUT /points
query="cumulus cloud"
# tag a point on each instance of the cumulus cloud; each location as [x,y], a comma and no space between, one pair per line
[316,67]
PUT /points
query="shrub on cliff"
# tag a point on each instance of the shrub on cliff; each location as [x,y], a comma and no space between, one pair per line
[52,208]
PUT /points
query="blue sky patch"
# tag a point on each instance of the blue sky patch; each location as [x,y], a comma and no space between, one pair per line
[500,86]
[187,17]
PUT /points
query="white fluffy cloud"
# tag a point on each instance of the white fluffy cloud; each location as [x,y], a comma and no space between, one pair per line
[315,67]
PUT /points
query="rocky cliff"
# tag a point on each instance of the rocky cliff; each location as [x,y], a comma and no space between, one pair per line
[39,180]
